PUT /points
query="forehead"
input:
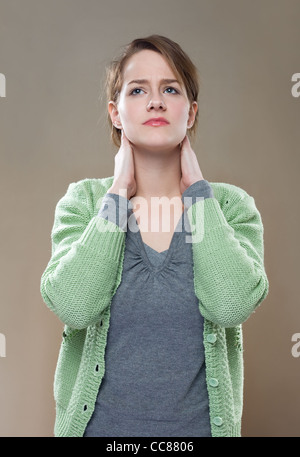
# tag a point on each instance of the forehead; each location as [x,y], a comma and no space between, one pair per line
[147,64]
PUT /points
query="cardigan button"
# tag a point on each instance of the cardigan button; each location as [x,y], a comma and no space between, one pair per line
[213,382]
[218,421]
[211,337]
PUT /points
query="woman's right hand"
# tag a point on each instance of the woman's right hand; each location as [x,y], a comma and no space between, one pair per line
[124,170]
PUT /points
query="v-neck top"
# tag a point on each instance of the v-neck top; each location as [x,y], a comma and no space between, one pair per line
[155,381]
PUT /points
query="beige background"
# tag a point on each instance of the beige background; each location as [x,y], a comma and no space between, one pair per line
[53,131]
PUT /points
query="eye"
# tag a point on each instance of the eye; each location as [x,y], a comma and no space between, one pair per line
[172,89]
[133,92]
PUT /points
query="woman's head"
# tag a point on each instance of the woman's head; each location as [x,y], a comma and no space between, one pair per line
[169,89]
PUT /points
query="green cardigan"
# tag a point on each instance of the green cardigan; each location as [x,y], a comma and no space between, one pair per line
[85,270]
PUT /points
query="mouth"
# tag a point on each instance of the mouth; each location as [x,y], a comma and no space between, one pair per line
[157,122]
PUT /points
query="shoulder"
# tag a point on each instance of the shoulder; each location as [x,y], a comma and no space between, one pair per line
[236,203]
[91,186]
[85,195]
[90,189]
[224,192]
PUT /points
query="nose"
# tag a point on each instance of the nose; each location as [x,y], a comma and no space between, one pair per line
[156,104]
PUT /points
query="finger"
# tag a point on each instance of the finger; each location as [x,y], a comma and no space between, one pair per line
[124,137]
[128,142]
[186,140]
[183,143]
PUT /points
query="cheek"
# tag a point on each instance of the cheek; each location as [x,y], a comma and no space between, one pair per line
[129,117]
[129,114]
[180,112]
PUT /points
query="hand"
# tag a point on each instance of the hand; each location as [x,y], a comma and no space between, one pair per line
[124,170]
[190,169]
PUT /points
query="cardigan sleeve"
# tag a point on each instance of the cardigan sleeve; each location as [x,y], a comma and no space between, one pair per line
[228,250]
[79,280]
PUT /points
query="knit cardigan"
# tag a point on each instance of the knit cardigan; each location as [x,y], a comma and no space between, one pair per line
[85,270]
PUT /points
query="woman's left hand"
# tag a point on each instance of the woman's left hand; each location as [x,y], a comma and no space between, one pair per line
[190,169]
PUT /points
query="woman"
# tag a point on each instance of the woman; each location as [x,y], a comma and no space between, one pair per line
[152,343]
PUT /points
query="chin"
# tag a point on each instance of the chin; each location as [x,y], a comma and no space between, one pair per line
[158,145]
[163,147]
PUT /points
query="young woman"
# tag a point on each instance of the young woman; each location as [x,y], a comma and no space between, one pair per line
[153,270]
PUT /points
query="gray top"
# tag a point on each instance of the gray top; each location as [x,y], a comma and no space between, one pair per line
[154,383]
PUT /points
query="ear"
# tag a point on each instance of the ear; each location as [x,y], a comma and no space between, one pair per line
[114,114]
[192,114]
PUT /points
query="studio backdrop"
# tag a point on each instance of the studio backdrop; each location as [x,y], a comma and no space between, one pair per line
[53,131]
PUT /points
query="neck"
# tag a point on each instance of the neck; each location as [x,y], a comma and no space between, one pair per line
[157,174]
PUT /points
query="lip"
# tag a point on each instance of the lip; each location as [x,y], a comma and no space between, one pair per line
[156,121]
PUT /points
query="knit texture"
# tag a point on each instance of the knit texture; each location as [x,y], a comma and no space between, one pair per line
[85,270]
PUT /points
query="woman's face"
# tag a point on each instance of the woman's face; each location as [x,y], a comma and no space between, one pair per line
[150,90]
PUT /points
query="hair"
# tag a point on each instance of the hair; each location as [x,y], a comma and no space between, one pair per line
[182,66]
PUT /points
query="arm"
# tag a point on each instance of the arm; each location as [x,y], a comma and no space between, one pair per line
[80,278]
[229,275]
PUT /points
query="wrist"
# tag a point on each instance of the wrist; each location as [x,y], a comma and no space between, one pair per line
[118,190]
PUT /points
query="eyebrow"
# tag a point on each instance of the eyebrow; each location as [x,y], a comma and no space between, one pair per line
[145,81]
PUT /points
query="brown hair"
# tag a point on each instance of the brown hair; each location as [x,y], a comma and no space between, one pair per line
[179,61]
